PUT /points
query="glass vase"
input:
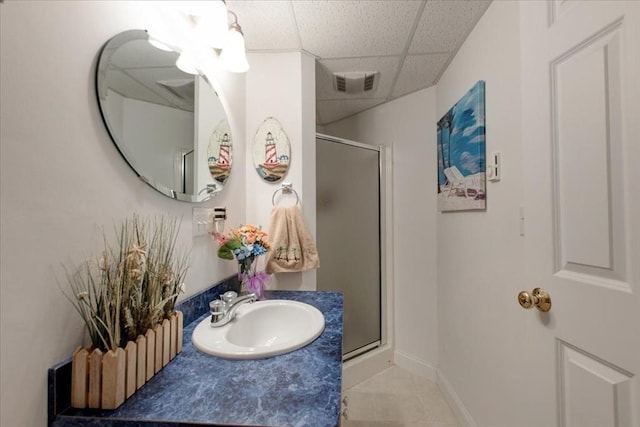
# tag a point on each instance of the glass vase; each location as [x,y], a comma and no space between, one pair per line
[246,267]
[250,279]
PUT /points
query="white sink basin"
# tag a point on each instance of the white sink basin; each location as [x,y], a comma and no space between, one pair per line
[261,329]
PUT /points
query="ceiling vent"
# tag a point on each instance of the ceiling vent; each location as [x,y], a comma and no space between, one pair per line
[356,82]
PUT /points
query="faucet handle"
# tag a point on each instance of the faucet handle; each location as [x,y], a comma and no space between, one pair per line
[229,296]
[218,309]
[217,306]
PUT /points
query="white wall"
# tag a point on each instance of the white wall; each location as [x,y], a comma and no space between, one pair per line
[480,254]
[408,126]
[63,179]
[282,85]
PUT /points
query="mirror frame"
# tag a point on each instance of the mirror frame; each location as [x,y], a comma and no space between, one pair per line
[105,53]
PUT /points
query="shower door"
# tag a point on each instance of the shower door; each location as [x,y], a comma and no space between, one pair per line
[348,236]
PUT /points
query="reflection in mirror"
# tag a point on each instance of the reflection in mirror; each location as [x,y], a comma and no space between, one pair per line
[219,157]
[170,126]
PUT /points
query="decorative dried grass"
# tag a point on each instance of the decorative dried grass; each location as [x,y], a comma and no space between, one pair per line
[133,285]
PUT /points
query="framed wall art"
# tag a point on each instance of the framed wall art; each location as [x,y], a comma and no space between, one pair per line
[461,153]
[271,150]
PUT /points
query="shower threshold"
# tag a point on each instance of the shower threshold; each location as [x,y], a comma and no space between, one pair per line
[359,351]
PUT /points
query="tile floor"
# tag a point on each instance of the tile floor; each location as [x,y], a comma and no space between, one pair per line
[397,398]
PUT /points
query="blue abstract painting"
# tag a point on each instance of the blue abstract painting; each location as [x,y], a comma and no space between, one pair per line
[461,153]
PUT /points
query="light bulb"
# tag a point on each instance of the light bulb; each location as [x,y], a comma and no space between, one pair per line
[233,55]
[187,63]
[212,24]
[162,28]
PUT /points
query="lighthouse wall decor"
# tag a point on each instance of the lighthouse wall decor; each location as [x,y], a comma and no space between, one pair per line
[271,150]
[219,153]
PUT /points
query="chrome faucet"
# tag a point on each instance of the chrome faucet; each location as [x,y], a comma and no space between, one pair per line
[223,310]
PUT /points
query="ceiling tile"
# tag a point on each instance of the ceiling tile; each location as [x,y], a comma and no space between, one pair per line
[336,29]
[419,71]
[445,24]
[267,25]
[362,35]
[330,111]
[387,66]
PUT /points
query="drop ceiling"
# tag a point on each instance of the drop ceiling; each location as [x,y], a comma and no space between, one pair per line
[410,42]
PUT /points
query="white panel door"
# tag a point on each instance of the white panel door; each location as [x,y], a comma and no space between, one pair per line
[581,156]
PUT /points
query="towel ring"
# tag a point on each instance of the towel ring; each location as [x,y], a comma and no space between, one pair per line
[287,188]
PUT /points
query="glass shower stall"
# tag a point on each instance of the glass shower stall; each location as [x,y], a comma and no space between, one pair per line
[349,238]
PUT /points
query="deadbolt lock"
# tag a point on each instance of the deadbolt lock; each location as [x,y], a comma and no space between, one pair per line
[538,297]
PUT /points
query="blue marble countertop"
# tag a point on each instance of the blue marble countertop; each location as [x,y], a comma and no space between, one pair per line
[301,388]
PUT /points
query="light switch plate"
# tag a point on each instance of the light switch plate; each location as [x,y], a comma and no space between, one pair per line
[202,223]
[494,167]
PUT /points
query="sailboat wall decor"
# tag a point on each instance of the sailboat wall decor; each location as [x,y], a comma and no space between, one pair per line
[219,153]
[271,150]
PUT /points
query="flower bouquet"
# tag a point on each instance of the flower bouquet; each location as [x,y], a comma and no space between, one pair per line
[246,243]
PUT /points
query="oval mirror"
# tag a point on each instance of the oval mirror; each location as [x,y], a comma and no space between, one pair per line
[169,126]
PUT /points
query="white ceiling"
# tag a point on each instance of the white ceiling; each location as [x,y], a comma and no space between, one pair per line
[410,42]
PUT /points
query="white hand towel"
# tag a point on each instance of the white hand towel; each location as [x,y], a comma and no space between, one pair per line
[292,247]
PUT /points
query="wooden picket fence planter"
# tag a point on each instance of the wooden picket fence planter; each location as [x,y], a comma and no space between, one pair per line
[106,380]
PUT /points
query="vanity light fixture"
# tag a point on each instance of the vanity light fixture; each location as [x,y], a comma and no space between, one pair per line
[212,27]
[162,32]
[200,33]
[233,56]
[186,62]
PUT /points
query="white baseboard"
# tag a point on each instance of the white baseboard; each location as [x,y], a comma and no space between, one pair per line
[414,365]
[452,398]
[365,366]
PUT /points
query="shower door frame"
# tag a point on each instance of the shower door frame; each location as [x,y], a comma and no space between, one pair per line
[383,174]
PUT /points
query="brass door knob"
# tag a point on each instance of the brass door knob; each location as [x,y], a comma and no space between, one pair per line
[538,297]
